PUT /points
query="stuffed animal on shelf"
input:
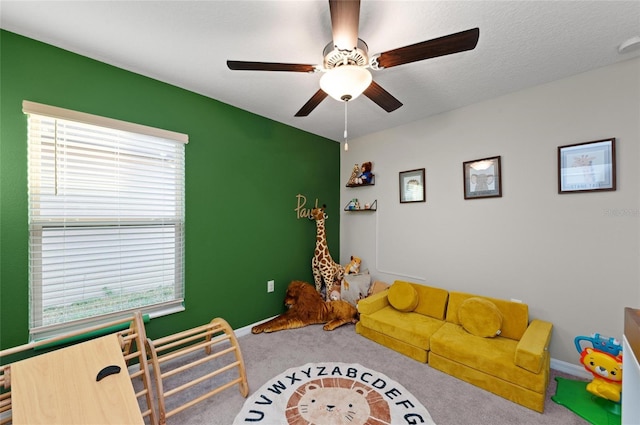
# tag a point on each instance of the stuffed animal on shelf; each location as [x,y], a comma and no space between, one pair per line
[607,373]
[354,266]
[366,176]
[354,175]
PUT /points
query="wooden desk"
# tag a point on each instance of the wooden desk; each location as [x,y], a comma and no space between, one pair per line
[60,387]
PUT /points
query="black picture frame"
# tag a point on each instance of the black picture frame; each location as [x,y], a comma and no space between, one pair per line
[482,178]
[412,186]
[587,167]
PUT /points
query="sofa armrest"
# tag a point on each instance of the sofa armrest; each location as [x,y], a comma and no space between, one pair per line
[373,303]
[532,349]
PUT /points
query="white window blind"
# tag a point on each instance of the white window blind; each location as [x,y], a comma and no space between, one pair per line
[106,218]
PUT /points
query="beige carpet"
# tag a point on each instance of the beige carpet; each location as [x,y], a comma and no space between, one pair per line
[332,393]
[449,401]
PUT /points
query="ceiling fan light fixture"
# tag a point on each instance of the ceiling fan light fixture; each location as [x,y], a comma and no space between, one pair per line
[629,45]
[345,82]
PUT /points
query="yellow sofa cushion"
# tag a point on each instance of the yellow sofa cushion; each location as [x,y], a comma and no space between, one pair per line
[403,296]
[515,316]
[432,301]
[534,345]
[493,356]
[410,327]
[480,317]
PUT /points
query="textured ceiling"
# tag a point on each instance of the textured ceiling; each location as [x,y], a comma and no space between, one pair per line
[187,43]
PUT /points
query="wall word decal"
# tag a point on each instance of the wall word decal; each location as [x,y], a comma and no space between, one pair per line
[301,211]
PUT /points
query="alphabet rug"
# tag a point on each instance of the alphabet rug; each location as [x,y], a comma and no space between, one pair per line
[335,394]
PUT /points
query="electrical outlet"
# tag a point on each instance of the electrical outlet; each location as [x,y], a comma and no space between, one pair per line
[271,285]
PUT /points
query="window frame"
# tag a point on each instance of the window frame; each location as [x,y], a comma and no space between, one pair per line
[40,331]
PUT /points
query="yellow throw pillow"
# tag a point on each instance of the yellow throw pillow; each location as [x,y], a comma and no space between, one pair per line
[403,296]
[480,317]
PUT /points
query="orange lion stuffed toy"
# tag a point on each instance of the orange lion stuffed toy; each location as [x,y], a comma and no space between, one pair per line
[306,307]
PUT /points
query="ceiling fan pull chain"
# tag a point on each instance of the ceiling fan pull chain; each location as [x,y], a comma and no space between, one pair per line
[346,144]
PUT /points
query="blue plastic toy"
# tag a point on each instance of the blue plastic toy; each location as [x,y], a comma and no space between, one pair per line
[604,361]
[605,344]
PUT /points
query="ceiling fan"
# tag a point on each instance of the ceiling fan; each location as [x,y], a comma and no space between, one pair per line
[346,60]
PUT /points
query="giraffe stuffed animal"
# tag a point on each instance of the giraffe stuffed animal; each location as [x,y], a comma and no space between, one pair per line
[354,175]
[325,270]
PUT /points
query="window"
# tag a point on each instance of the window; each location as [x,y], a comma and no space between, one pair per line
[106,219]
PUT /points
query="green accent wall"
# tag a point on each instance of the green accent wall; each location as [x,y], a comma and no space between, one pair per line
[243,173]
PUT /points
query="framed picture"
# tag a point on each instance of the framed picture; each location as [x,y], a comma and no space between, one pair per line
[412,186]
[482,178]
[587,167]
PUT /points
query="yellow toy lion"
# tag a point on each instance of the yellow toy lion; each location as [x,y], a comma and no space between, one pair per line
[607,373]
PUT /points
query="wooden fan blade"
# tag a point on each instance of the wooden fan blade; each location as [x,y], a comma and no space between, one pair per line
[345,18]
[269,66]
[311,104]
[453,43]
[381,97]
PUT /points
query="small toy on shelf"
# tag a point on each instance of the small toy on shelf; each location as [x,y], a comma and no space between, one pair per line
[353,180]
[366,176]
[355,206]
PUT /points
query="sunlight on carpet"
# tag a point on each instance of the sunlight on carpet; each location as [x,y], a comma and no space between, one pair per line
[332,393]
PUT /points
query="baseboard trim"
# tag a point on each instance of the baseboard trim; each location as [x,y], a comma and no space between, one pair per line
[559,365]
[247,329]
[570,368]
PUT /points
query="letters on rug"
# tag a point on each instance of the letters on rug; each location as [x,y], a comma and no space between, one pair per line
[332,393]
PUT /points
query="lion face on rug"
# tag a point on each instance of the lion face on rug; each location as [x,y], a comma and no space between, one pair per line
[319,405]
[306,307]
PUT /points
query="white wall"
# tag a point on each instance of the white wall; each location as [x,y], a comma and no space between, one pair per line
[573,258]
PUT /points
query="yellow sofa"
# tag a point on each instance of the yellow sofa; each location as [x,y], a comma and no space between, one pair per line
[408,332]
[485,341]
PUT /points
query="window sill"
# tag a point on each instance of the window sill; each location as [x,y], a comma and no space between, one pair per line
[152,312]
